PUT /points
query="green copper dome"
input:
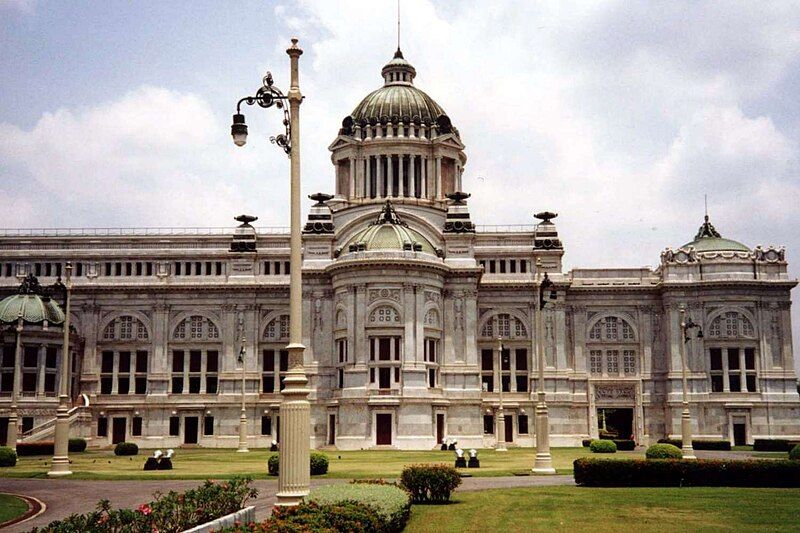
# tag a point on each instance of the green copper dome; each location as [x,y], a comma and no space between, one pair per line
[389,233]
[398,101]
[31,304]
[708,239]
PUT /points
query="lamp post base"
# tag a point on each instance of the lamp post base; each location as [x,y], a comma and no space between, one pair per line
[686,434]
[243,434]
[59,467]
[543,464]
[60,463]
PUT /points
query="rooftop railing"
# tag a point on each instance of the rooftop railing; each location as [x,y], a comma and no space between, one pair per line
[112,232]
[505,228]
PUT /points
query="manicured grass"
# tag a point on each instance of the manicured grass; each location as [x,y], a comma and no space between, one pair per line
[204,463]
[587,509]
[11,507]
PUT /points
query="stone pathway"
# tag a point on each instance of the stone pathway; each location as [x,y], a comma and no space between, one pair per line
[64,497]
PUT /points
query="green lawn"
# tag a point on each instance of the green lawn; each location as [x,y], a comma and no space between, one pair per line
[591,509]
[11,507]
[203,463]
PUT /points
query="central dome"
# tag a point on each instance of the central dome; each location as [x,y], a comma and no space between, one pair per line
[389,233]
[398,101]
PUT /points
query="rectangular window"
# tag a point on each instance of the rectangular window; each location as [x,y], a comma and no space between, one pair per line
[735,381]
[487,383]
[107,363]
[749,359]
[123,385]
[716,383]
[49,382]
[431,377]
[174,426]
[8,356]
[194,384]
[266,425]
[29,382]
[177,385]
[505,359]
[733,358]
[506,380]
[211,384]
[27,423]
[488,424]
[513,264]
[522,383]
[629,361]
[596,361]
[136,426]
[50,357]
[141,362]
[612,361]
[502,266]
[7,382]
[716,358]
[487,360]
[140,385]
[177,361]
[194,360]
[269,360]
[284,360]
[30,357]
[523,266]
[522,424]
[102,427]
[124,362]
[106,384]
[522,359]
[340,378]
[208,425]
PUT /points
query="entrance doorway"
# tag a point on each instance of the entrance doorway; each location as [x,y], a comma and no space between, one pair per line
[615,423]
[439,428]
[383,429]
[118,430]
[190,424]
[739,434]
[331,430]
[509,428]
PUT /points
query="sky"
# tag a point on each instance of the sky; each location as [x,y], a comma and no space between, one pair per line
[620,116]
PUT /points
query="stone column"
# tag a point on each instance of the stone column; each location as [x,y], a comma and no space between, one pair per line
[410,318]
[389,176]
[419,322]
[438,177]
[412,186]
[351,192]
[360,348]
[401,176]
[381,182]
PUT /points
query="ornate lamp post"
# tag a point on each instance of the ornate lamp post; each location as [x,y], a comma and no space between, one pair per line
[60,463]
[243,414]
[544,461]
[686,417]
[13,418]
[501,416]
[294,475]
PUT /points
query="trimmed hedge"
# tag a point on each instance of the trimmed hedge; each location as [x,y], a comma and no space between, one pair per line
[8,457]
[318,464]
[126,448]
[42,447]
[430,483]
[77,445]
[391,502]
[663,451]
[349,516]
[794,454]
[623,445]
[773,445]
[700,444]
[592,472]
[603,446]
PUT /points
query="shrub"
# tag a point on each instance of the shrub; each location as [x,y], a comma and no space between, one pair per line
[391,502]
[592,472]
[43,447]
[773,445]
[700,444]
[318,464]
[126,448]
[310,517]
[603,446]
[586,442]
[171,512]
[77,445]
[430,483]
[8,457]
[794,454]
[663,451]
[625,445]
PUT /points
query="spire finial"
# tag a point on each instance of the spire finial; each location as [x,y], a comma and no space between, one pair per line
[398,25]
[705,199]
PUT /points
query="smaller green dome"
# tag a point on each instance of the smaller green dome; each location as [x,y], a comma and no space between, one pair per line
[30,304]
[708,239]
[389,233]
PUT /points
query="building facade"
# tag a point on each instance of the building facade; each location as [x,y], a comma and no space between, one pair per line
[404,302]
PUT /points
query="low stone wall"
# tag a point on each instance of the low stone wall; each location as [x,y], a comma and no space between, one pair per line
[245,516]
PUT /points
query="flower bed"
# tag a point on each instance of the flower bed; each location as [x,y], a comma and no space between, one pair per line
[167,513]
[592,472]
[392,503]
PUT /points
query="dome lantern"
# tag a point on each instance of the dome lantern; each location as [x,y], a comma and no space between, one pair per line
[398,71]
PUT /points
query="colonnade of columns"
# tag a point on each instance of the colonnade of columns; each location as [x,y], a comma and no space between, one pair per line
[384,176]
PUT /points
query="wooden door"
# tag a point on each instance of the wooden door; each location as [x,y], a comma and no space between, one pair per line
[739,434]
[509,428]
[190,430]
[118,430]
[383,430]
[439,428]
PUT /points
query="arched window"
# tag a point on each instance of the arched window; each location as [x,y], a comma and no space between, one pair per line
[384,315]
[341,319]
[508,327]
[195,356]
[197,328]
[124,356]
[277,329]
[125,327]
[612,347]
[731,325]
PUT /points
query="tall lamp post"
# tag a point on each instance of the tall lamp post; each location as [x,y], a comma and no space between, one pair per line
[294,475]
[544,461]
[686,417]
[60,463]
[13,418]
[243,414]
[501,415]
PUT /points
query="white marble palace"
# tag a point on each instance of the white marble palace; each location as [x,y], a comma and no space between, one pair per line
[404,299]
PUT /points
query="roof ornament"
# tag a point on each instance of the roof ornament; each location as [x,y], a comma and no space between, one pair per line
[30,285]
[546,217]
[389,216]
[245,220]
[707,230]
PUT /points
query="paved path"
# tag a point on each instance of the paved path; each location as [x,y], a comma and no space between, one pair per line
[64,497]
